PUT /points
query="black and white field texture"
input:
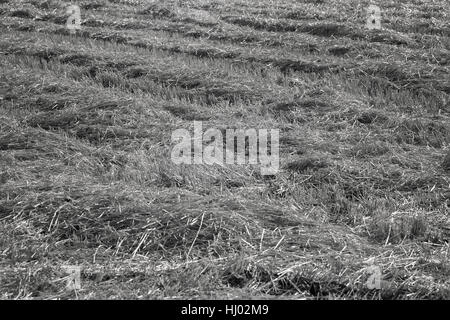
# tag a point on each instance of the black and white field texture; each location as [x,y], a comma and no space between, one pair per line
[87,180]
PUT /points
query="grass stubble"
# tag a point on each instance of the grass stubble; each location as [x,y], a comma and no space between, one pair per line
[85,140]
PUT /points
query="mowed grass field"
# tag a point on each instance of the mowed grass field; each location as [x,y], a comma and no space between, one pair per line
[86,176]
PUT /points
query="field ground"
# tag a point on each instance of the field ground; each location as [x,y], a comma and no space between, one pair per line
[85,140]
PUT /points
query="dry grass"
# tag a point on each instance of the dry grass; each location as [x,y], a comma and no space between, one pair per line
[85,141]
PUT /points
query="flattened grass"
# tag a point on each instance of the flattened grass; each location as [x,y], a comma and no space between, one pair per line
[85,140]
